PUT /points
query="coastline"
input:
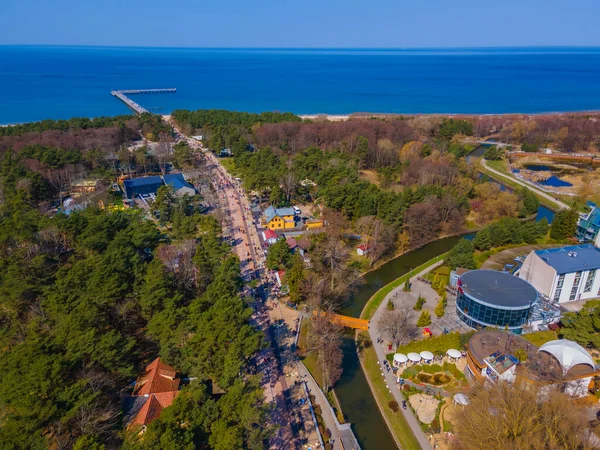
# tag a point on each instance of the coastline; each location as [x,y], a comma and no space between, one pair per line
[341,117]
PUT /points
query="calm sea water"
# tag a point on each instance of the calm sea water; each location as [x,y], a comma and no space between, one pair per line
[62,82]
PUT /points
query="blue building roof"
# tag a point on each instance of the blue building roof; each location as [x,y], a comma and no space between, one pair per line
[271,212]
[176,181]
[143,181]
[573,258]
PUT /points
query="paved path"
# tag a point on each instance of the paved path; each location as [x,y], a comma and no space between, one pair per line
[390,379]
[530,186]
[270,364]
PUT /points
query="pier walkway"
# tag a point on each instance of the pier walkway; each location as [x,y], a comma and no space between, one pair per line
[123,96]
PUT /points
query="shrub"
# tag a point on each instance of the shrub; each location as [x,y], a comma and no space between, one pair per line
[424,319]
[394,406]
[390,305]
[440,307]
[420,302]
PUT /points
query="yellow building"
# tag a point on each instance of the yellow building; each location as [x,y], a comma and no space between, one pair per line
[280,218]
[314,224]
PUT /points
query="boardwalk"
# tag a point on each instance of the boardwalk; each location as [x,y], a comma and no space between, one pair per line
[122,95]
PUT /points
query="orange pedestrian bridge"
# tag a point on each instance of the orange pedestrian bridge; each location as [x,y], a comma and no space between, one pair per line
[345,321]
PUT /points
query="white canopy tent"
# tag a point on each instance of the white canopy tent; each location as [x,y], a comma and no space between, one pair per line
[427,356]
[453,353]
[568,353]
[461,399]
[414,357]
[399,359]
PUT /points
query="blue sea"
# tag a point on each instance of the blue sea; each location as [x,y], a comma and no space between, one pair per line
[44,82]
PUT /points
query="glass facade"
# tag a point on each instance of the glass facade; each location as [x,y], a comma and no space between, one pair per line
[479,315]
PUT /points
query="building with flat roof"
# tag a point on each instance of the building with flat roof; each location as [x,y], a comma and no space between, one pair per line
[564,274]
[562,363]
[487,298]
[588,225]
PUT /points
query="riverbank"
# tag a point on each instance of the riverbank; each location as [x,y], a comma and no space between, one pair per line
[545,199]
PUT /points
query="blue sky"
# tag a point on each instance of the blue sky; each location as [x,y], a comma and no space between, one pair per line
[304,23]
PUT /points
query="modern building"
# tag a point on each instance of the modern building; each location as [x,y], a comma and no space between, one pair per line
[564,274]
[142,186]
[495,355]
[150,185]
[154,391]
[487,298]
[280,218]
[178,183]
[588,225]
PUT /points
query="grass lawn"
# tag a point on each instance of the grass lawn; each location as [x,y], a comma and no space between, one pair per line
[374,302]
[499,165]
[229,165]
[396,420]
[538,338]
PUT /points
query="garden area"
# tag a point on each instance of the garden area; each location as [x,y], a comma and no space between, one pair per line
[447,375]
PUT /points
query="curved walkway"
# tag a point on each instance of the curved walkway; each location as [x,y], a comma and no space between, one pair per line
[389,376]
[527,185]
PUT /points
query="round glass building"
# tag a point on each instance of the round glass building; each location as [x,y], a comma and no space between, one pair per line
[487,298]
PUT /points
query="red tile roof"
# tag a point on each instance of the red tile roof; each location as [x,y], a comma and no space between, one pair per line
[363,247]
[291,242]
[270,234]
[158,377]
[150,411]
[160,385]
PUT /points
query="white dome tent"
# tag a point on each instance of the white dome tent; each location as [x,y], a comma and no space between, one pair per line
[414,357]
[399,359]
[453,353]
[427,356]
[568,353]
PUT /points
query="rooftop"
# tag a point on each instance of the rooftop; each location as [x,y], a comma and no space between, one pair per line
[143,181]
[541,364]
[176,181]
[498,288]
[271,212]
[573,258]
[158,377]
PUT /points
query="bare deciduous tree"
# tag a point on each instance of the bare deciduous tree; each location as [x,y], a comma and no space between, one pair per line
[520,417]
[325,340]
[398,325]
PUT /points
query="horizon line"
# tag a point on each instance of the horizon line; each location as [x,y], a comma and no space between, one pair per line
[490,47]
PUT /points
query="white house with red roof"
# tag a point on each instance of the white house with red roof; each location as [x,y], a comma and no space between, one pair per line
[363,249]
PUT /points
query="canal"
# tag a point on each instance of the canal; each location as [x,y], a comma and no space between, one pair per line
[354,394]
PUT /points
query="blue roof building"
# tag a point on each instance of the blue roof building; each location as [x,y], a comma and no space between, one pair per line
[178,183]
[564,274]
[588,225]
[142,186]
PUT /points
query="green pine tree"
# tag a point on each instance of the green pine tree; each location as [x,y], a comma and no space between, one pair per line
[424,319]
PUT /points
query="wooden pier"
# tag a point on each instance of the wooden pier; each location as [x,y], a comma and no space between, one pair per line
[123,96]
